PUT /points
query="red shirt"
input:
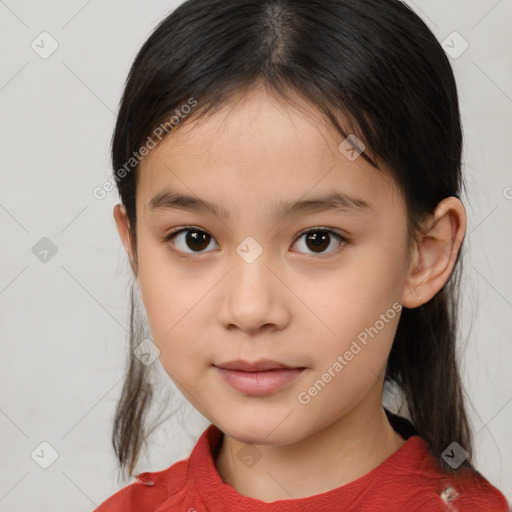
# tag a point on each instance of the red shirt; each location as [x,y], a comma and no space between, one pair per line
[405,481]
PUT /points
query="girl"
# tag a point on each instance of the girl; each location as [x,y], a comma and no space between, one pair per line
[290,177]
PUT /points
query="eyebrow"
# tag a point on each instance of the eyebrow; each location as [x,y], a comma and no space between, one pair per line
[335,202]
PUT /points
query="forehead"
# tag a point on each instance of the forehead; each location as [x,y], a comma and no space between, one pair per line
[258,147]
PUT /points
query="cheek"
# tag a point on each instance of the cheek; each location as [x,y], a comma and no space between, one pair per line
[346,368]
[357,311]
[172,305]
[347,302]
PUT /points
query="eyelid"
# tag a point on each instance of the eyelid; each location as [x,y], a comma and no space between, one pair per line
[342,238]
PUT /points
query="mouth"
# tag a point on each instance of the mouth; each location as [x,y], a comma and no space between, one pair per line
[258,378]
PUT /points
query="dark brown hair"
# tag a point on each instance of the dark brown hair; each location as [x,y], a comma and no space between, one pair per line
[374,64]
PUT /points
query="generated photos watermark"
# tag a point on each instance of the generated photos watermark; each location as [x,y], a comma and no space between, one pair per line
[159,132]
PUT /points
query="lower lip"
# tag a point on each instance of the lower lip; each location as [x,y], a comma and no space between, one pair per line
[259,383]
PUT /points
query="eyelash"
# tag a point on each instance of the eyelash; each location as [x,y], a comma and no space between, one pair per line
[182,229]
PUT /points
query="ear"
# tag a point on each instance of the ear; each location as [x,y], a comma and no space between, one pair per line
[434,255]
[123,228]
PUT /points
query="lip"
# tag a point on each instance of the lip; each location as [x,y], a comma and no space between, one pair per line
[258,378]
[257,366]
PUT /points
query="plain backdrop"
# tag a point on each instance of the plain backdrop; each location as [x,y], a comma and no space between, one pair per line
[64,321]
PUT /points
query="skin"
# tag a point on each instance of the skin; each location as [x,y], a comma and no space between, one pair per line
[291,304]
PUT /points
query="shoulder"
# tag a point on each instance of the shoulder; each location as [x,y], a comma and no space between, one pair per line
[424,486]
[172,487]
[469,491]
[429,489]
[148,491]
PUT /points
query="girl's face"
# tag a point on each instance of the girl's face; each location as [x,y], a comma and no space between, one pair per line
[246,283]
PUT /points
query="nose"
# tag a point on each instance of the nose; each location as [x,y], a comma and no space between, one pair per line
[254,297]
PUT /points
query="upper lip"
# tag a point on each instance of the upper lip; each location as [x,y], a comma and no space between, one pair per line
[257,366]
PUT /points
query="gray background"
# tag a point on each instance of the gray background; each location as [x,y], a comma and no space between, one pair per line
[64,321]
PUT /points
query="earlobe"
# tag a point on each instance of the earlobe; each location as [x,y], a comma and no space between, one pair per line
[435,253]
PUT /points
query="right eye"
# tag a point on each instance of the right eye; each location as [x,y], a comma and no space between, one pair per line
[194,238]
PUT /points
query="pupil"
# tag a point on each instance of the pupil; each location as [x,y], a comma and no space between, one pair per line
[318,241]
[197,241]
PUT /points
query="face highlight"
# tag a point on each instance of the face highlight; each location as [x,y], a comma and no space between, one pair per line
[258,239]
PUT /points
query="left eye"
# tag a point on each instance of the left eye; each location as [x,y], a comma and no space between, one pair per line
[197,240]
[318,239]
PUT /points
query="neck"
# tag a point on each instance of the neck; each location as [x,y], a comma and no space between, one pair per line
[333,456]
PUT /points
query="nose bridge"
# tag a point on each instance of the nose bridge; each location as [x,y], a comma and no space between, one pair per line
[251,277]
[253,297]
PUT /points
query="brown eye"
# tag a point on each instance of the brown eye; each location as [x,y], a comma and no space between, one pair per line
[197,240]
[318,240]
[194,241]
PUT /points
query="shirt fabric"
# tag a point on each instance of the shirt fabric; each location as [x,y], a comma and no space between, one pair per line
[406,481]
